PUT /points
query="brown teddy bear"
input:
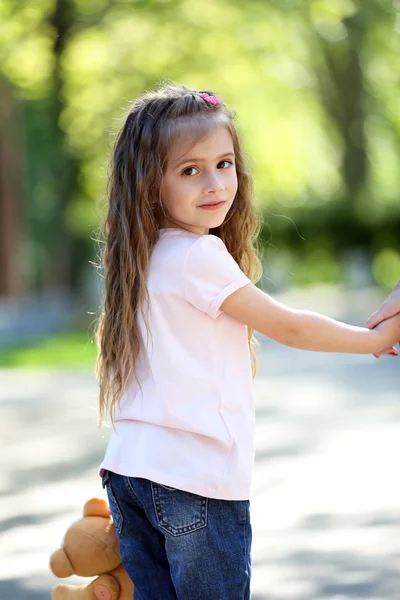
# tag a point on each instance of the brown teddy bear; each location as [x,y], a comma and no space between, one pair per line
[90,547]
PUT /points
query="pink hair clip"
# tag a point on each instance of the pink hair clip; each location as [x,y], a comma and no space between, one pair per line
[210,99]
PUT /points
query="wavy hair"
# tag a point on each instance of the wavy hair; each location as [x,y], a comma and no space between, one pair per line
[135,214]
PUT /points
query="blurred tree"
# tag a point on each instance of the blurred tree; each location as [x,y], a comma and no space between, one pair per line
[64,166]
[52,169]
[357,91]
[341,82]
[11,217]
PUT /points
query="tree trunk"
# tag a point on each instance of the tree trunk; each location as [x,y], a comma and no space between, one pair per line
[10,194]
[343,95]
[64,166]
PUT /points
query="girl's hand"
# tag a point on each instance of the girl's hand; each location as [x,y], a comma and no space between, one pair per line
[390,307]
[390,331]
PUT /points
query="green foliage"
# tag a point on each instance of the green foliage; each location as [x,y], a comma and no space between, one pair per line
[26,45]
[287,67]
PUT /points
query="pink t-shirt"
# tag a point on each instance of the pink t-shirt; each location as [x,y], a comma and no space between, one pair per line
[193,426]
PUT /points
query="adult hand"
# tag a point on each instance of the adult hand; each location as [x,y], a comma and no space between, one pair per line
[390,307]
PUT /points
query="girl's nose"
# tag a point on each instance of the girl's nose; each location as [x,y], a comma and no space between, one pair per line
[214,184]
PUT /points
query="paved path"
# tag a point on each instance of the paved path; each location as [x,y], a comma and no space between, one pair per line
[326,493]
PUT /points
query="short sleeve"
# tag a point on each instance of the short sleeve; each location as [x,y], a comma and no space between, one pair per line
[211,275]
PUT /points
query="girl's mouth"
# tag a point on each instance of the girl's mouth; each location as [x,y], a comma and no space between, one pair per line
[212,206]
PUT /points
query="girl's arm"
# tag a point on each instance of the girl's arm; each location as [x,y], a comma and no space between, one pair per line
[304,329]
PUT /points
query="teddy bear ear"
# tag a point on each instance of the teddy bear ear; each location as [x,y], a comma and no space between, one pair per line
[96,507]
[60,564]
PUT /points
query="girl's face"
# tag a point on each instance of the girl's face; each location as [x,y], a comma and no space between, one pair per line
[198,175]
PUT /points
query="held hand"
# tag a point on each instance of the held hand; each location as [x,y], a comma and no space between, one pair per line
[390,331]
[390,307]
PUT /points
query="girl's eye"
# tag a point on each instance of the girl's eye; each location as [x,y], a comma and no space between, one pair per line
[229,162]
[185,172]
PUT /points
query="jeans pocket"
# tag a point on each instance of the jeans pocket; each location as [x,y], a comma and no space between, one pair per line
[178,512]
[114,506]
[105,478]
[166,487]
[244,511]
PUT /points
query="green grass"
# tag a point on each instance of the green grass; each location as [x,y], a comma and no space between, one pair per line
[68,349]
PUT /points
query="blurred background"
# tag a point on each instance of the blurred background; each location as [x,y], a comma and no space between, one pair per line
[315,85]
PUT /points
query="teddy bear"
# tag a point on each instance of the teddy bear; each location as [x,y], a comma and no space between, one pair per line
[89,548]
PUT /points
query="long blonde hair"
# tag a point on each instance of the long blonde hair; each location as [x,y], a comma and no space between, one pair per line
[135,214]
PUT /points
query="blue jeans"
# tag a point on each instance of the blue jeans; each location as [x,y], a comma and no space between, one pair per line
[176,545]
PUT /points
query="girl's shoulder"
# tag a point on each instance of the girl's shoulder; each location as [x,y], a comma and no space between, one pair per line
[171,236]
[178,249]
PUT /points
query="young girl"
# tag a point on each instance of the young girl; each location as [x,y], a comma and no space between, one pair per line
[174,364]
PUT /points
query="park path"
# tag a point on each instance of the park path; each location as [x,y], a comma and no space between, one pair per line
[326,493]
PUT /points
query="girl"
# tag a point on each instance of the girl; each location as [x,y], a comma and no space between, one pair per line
[175,346]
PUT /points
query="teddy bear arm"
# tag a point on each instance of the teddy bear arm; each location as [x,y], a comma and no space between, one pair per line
[104,587]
